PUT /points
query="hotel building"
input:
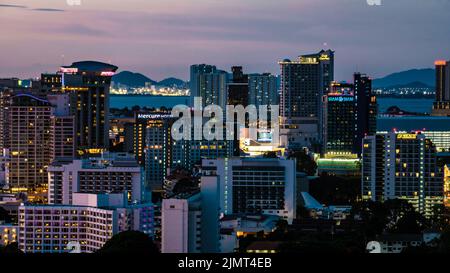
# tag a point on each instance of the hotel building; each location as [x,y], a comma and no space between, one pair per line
[402,166]
[254,185]
[88,83]
[87,224]
[108,174]
[28,126]
[303,84]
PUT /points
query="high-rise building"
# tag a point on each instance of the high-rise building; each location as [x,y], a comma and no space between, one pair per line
[238,88]
[89,83]
[441,105]
[339,118]
[5,100]
[62,127]
[263,89]
[403,166]
[209,83]
[238,95]
[87,224]
[29,123]
[349,114]
[254,185]
[108,174]
[303,83]
[190,222]
[366,109]
[162,152]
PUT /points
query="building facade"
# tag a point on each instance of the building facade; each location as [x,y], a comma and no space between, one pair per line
[190,222]
[109,174]
[402,166]
[87,224]
[254,185]
[441,105]
[28,143]
[303,83]
[88,83]
[208,83]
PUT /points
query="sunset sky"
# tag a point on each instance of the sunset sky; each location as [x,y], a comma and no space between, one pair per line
[161,38]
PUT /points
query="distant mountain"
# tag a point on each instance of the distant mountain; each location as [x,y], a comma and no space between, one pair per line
[132,79]
[411,85]
[426,76]
[172,82]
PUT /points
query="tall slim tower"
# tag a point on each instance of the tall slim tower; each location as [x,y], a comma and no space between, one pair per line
[366,109]
[441,104]
[238,93]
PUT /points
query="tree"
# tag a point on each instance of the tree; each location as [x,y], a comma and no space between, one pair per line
[12,248]
[333,190]
[305,163]
[129,242]
[4,215]
[270,154]
[136,108]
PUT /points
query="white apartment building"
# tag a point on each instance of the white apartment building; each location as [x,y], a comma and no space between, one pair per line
[190,222]
[108,174]
[254,185]
[89,222]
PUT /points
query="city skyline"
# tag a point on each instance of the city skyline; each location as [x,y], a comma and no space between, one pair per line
[143,36]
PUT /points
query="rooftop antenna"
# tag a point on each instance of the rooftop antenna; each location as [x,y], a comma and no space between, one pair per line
[62,59]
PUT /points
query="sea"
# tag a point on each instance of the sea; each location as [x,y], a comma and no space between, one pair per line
[419,105]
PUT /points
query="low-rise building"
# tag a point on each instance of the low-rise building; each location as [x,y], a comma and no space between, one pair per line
[88,223]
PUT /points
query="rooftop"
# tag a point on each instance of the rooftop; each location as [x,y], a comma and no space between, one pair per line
[92,66]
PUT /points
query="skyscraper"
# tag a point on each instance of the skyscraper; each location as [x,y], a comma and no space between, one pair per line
[349,115]
[28,141]
[62,130]
[89,82]
[209,83]
[162,152]
[441,105]
[339,118]
[303,83]
[366,109]
[238,94]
